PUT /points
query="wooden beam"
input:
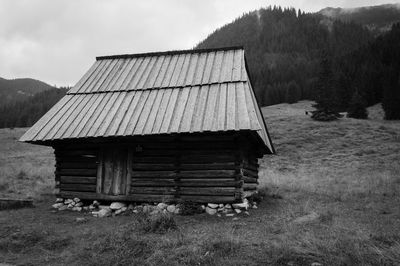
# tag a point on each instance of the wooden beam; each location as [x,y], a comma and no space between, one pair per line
[77,165]
[247,179]
[99,196]
[249,186]
[99,176]
[208,199]
[220,182]
[212,191]
[78,180]
[249,173]
[78,187]
[153,174]
[129,171]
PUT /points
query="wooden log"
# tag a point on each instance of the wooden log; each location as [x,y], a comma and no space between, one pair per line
[247,179]
[220,182]
[153,159]
[253,167]
[73,159]
[166,167]
[78,187]
[83,153]
[208,166]
[207,173]
[77,172]
[99,196]
[150,198]
[208,199]
[211,158]
[6,203]
[150,182]
[153,166]
[213,191]
[147,197]
[183,153]
[204,182]
[153,174]
[78,179]
[77,165]
[153,190]
[249,186]
[249,173]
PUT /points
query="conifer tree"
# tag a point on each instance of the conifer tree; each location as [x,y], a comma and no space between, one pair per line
[357,107]
[325,94]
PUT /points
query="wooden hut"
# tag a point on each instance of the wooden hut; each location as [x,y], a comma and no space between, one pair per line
[169,126]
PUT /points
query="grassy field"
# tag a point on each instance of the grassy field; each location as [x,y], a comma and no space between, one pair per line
[345,173]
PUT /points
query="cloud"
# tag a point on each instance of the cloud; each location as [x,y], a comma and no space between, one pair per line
[57,41]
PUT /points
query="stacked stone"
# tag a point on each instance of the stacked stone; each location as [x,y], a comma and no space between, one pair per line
[157,208]
[69,204]
[118,208]
[115,208]
[229,210]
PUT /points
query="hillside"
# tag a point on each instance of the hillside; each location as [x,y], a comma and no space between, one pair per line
[28,109]
[284,48]
[294,56]
[342,173]
[376,18]
[18,89]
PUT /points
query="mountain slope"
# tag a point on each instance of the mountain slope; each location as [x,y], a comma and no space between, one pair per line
[18,89]
[25,112]
[284,47]
[376,18]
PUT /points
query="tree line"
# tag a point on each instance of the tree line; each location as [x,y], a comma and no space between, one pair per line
[24,113]
[284,47]
[293,55]
[366,76]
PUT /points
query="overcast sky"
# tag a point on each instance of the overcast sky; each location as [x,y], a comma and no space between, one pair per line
[56,41]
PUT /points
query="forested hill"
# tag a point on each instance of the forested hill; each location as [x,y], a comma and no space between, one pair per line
[284,48]
[25,112]
[12,90]
[376,18]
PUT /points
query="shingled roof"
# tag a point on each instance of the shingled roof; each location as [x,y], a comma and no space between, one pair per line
[156,93]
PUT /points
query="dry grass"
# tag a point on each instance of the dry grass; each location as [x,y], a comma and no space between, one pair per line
[340,158]
[26,171]
[345,171]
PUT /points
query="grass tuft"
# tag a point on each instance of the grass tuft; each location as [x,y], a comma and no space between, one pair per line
[21,175]
[120,247]
[159,223]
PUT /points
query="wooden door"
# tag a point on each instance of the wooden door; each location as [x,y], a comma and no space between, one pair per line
[113,174]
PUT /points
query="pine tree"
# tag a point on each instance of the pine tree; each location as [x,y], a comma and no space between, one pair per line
[325,85]
[357,107]
[325,94]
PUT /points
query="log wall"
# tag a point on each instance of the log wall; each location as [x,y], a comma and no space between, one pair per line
[168,170]
[76,169]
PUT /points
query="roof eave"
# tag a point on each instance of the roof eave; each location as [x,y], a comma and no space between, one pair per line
[272,150]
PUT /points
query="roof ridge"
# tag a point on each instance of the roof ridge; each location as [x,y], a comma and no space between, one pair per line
[172,52]
[160,88]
